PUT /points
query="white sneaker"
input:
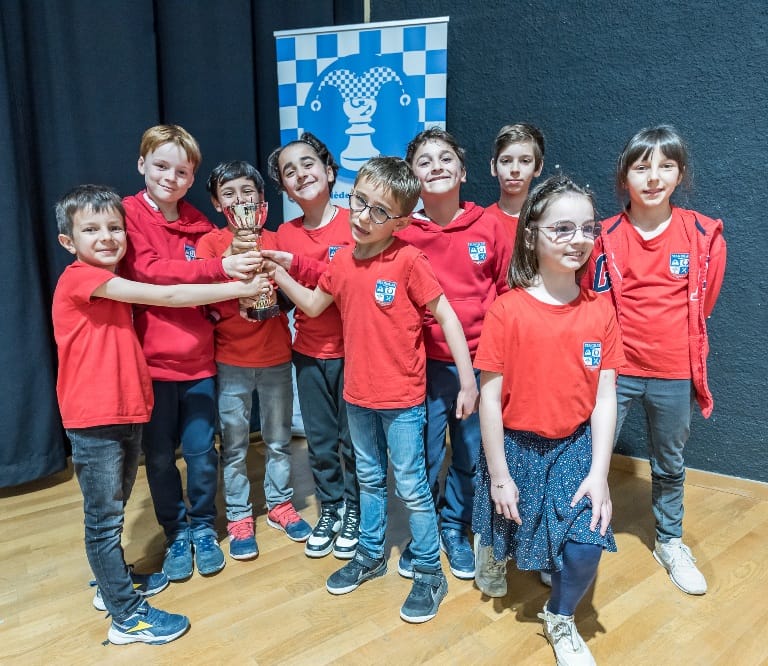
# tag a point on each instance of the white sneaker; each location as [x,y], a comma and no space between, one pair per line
[490,574]
[570,648]
[679,562]
[546,578]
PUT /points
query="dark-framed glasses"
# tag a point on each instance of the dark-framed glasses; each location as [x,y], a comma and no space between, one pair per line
[379,216]
[565,230]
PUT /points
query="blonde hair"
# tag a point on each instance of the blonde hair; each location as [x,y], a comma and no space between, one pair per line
[395,177]
[159,135]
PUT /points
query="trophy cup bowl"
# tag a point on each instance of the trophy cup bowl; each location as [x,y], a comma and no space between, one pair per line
[246,218]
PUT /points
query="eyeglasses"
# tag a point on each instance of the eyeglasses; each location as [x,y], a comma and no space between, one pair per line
[566,230]
[379,216]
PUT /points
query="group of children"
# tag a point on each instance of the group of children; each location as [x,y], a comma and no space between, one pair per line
[394,307]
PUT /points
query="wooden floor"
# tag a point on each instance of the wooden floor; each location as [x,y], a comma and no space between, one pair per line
[275,609]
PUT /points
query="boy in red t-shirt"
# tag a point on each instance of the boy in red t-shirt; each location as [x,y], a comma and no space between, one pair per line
[383,287]
[105,396]
[251,355]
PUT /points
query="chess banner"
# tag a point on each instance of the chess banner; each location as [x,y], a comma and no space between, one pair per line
[363,90]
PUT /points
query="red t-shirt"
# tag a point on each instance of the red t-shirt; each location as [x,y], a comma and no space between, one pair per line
[654,307]
[550,357]
[382,301]
[318,337]
[247,344]
[103,377]
[508,222]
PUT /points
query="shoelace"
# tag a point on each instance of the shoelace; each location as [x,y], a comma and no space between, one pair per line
[351,523]
[241,529]
[497,568]
[179,547]
[286,515]
[205,543]
[327,518]
[561,630]
[682,555]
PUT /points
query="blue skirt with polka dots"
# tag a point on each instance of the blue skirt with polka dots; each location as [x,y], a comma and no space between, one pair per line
[547,473]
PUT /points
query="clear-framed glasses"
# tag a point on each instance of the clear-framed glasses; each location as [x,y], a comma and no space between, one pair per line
[565,230]
[379,216]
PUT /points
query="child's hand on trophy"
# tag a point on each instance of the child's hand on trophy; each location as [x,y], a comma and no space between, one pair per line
[243,241]
[256,286]
[242,266]
[274,258]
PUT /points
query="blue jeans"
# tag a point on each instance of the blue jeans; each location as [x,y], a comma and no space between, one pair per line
[329,445]
[399,432]
[668,405]
[275,391]
[106,459]
[184,414]
[455,505]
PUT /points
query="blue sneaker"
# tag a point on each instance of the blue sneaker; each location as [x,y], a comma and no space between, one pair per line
[405,563]
[148,625]
[242,539]
[147,585]
[461,559]
[285,517]
[209,557]
[177,564]
[429,589]
[354,573]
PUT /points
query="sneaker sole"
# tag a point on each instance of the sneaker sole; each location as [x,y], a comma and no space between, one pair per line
[278,526]
[244,556]
[310,551]
[419,619]
[695,593]
[344,554]
[121,638]
[179,577]
[351,588]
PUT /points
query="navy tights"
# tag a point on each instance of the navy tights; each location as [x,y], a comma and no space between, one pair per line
[569,585]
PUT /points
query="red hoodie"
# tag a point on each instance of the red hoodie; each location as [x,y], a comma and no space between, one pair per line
[177,342]
[470,257]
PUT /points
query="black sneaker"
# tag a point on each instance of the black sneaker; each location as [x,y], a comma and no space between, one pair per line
[346,543]
[427,592]
[353,574]
[320,542]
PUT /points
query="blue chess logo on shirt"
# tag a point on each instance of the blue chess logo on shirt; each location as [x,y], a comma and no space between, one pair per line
[385,292]
[592,354]
[332,250]
[477,251]
[678,264]
[189,252]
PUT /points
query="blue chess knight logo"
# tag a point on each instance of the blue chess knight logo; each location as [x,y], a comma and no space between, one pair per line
[370,95]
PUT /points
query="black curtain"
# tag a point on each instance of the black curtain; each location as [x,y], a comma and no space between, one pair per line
[80,80]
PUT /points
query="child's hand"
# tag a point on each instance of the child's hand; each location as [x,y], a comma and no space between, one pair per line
[242,266]
[257,285]
[466,401]
[505,499]
[602,510]
[274,258]
[243,242]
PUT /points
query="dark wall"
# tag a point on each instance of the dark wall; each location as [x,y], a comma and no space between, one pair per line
[590,75]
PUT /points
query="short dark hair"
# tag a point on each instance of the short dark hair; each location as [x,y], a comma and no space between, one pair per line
[520,133]
[95,198]
[434,134]
[226,171]
[395,176]
[273,161]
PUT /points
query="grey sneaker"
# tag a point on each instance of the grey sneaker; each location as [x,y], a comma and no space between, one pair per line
[570,648]
[427,591]
[490,574]
[680,563]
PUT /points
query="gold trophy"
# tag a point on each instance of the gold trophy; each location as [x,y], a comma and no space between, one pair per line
[246,218]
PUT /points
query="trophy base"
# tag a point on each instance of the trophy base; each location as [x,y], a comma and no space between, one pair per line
[262,314]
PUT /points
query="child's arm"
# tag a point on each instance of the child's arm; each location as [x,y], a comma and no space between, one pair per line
[504,492]
[180,295]
[310,302]
[715,273]
[466,402]
[603,423]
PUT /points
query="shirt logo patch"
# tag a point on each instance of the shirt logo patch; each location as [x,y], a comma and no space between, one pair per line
[592,353]
[332,250]
[477,251]
[602,281]
[189,252]
[678,264]
[385,292]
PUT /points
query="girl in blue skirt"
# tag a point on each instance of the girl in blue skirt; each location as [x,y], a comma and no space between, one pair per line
[548,356]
